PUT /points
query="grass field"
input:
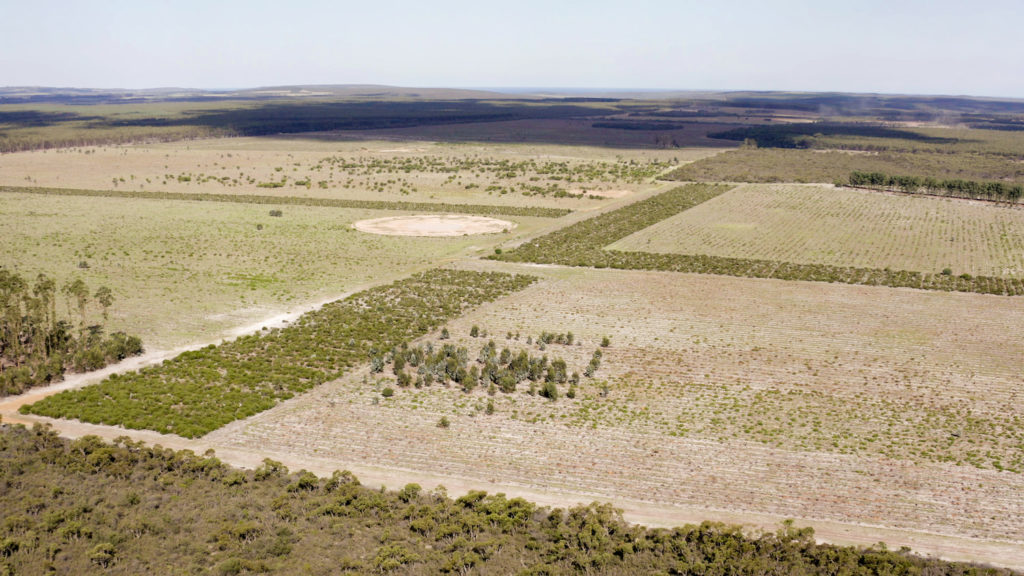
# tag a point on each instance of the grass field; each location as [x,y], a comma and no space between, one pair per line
[417,171]
[844,227]
[187,271]
[849,403]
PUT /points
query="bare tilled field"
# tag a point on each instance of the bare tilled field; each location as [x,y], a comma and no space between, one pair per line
[845,227]
[419,171]
[844,403]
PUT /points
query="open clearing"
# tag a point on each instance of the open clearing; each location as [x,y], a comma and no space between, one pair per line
[433,225]
[821,402]
[186,271]
[845,227]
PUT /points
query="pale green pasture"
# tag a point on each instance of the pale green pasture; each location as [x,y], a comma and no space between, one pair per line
[186,271]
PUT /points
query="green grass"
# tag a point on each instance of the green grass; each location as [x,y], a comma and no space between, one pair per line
[203,390]
[186,271]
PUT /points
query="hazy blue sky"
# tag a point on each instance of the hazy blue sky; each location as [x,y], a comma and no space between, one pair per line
[939,46]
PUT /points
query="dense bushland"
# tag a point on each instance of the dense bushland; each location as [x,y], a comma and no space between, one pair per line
[203,390]
[300,201]
[808,135]
[38,345]
[87,507]
[582,245]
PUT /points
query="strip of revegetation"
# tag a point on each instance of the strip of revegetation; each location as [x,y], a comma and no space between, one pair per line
[953,187]
[582,244]
[203,390]
[534,211]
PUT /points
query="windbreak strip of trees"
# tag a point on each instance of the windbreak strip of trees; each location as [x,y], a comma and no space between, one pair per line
[538,212]
[87,507]
[582,244]
[200,391]
[957,188]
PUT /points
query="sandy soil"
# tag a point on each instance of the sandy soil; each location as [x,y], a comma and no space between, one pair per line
[434,225]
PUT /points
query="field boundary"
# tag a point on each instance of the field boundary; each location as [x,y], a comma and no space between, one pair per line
[582,244]
[538,212]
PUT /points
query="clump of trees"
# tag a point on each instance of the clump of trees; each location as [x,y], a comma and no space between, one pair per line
[86,506]
[38,345]
[426,364]
[955,187]
[202,390]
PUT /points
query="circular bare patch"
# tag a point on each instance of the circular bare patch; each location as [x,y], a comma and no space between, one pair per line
[434,225]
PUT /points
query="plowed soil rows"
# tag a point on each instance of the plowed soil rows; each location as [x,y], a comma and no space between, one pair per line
[846,403]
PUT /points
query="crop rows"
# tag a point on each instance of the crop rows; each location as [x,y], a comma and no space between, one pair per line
[837,402]
[203,390]
[301,201]
[337,422]
[582,244]
[850,370]
[816,225]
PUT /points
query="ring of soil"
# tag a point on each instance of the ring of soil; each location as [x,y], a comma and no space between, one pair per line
[434,225]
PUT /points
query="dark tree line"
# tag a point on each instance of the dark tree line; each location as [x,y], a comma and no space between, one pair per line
[804,135]
[973,189]
[37,345]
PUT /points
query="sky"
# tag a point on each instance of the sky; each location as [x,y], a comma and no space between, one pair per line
[895,46]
